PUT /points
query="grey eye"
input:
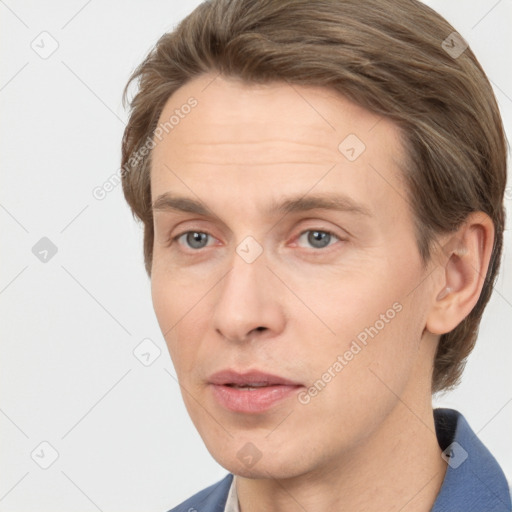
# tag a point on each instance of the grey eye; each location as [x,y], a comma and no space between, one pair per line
[195,239]
[318,239]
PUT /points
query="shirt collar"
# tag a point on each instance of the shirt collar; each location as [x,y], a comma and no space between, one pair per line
[474,480]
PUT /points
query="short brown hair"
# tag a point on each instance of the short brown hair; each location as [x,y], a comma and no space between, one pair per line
[386,56]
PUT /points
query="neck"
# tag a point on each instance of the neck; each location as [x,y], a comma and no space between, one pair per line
[399,469]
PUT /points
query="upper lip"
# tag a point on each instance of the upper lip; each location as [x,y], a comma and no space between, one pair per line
[256,377]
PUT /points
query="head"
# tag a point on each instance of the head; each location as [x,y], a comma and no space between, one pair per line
[344,177]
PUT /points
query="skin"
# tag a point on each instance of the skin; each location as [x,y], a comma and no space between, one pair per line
[367,440]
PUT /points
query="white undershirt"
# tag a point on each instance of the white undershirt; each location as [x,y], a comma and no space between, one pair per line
[232,501]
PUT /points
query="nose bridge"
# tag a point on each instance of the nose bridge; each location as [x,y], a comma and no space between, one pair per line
[241,282]
[247,300]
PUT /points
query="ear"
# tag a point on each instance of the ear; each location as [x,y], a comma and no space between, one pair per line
[464,258]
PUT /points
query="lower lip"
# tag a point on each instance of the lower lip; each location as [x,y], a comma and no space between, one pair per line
[256,400]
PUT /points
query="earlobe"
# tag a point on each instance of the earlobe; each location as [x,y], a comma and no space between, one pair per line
[464,262]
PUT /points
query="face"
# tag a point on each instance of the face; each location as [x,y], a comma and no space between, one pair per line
[286,277]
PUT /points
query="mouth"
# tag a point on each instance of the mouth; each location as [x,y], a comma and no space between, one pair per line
[251,392]
[249,386]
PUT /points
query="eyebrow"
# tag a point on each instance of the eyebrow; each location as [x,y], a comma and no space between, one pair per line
[337,202]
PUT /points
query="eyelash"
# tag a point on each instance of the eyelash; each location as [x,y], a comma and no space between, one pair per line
[326,231]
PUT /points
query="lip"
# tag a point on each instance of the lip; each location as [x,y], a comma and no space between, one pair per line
[225,377]
[271,390]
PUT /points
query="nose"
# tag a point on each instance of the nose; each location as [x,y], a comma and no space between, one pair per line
[249,304]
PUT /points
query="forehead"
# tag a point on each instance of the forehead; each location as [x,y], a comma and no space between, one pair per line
[247,136]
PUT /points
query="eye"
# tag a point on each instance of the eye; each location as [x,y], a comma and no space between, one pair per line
[318,239]
[193,239]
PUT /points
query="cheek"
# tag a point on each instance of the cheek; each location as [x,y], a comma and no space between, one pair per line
[166,309]
[177,308]
[364,321]
[176,293]
[345,301]
[368,377]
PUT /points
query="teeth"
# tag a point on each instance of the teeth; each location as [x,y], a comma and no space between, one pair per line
[249,386]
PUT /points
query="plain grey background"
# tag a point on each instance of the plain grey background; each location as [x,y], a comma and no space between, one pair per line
[115,433]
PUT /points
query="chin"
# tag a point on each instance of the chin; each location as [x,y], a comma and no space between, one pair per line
[264,464]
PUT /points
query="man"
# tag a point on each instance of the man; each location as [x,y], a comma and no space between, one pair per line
[321,185]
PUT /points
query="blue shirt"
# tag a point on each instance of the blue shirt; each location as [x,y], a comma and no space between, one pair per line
[474,481]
